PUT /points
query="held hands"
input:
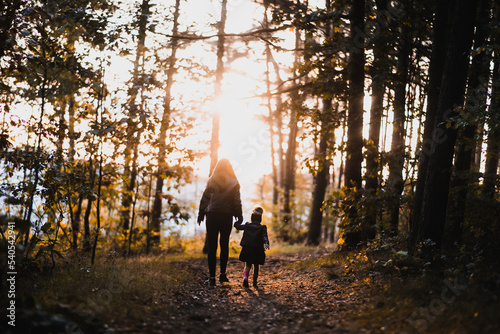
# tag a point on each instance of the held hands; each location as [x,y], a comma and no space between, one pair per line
[239,219]
[266,246]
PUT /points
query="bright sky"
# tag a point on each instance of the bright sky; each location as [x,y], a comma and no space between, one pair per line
[243,136]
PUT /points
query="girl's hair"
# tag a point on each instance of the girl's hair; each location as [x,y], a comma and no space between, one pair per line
[222,175]
[256,218]
[257,214]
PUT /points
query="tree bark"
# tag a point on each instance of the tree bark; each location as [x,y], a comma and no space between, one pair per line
[274,121]
[90,198]
[356,63]
[436,68]
[379,78]
[321,178]
[451,97]
[132,135]
[354,147]
[155,225]
[476,99]
[290,158]
[397,158]
[493,139]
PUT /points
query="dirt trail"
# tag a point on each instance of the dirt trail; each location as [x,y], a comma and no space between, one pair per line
[287,300]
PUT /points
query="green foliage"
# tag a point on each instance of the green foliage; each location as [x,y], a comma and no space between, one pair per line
[354,206]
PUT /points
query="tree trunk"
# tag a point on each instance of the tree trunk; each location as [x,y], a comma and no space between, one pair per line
[321,178]
[75,222]
[155,225]
[99,120]
[219,73]
[476,99]
[290,159]
[356,63]
[493,139]
[397,158]
[354,147]
[132,137]
[452,92]
[436,68]
[290,166]
[88,210]
[274,121]
[379,77]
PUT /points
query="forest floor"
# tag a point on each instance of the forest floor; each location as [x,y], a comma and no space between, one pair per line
[288,299]
[312,291]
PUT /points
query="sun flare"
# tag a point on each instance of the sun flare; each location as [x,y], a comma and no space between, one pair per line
[244,137]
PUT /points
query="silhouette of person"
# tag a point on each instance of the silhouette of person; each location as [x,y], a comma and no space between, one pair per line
[219,203]
[254,242]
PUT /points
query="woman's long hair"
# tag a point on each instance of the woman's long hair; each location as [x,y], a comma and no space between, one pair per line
[223,175]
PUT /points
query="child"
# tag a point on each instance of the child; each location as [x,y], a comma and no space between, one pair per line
[254,242]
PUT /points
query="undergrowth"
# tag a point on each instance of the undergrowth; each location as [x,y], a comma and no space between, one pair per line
[113,288]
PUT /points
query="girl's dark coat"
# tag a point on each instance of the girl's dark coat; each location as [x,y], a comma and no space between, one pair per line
[253,240]
[254,235]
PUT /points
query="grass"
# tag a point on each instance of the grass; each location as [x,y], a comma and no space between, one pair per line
[118,288]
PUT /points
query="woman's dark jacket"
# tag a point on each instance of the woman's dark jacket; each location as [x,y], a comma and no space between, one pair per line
[255,234]
[221,199]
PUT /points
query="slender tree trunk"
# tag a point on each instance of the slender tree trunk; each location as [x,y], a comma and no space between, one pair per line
[77,218]
[354,147]
[219,73]
[379,77]
[61,129]
[88,210]
[493,139]
[71,128]
[476,99]
[132,137]
[75,213]
[99,120]
[356,63]
[148,218]
[321,178]
[162,137]
[452,92]
[36,169]
[132,221]
[396,162]
[98,210]
[278,162]
[436,68]
[273,121]
[290,158]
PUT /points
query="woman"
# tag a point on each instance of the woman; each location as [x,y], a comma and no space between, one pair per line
[220,203]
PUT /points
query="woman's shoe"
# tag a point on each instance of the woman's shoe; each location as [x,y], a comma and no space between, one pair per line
[223,278]
[210,282]
[245,283]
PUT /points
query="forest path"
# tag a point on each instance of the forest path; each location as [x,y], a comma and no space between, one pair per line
[291,297]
